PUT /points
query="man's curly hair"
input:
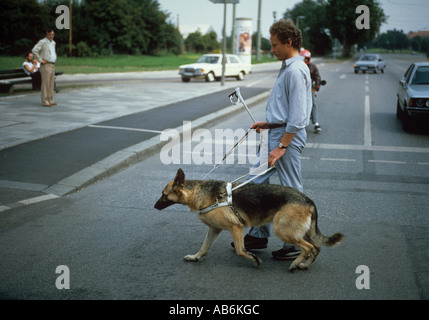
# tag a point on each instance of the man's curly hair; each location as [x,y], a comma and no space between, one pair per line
[286,29]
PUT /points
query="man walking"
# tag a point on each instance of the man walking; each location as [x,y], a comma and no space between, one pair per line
[44,51]
[287,114]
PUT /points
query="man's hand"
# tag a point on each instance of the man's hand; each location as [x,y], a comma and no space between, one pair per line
[258,125]
[274,155]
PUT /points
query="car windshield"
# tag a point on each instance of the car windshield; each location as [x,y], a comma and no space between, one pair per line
[208,59]
[421,76]
[368,58]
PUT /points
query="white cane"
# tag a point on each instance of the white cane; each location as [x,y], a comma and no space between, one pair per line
[262,156]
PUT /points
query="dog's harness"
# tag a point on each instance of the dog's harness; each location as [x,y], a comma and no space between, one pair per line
[229,190]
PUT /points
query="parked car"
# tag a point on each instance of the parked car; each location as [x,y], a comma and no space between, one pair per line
[370,62]
[413,94]
[209,67]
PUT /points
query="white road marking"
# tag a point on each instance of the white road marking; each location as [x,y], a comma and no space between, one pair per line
[38,199]
[29,201]
[123,128]
[367,139]
[387,161]
[3,208]
[338,159]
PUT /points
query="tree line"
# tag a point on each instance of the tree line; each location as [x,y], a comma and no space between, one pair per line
[393,40]
[99,27]
[104,27]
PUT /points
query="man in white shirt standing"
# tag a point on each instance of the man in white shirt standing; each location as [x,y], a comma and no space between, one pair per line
[44,51]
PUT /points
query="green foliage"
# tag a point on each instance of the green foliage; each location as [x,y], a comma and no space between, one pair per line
[313,24]
[197,42]
[341,20]
[99,27]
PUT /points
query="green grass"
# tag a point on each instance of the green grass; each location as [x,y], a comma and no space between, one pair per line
[115,63]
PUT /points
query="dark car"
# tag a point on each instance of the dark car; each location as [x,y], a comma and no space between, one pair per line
[413,94]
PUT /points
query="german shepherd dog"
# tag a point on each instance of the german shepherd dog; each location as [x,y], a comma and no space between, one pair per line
[293,214]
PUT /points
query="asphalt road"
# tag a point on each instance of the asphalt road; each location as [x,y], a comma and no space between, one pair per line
[367,176]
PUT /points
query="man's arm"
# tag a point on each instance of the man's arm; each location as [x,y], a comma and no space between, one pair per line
[36,51]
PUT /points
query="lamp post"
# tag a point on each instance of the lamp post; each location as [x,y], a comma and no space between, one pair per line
[224,35]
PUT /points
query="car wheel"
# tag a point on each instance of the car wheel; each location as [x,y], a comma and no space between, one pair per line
[240,76]
[382,70]
[399,112]
[356,71]
[184,79]
[406,122]
[210,77]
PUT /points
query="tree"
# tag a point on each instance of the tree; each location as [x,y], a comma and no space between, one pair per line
[312,23]
[341,17]
[22,24]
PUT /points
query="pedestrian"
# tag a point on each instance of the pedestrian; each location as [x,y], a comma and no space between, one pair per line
[31,67]
[287,114]
[315,78]
[44,51]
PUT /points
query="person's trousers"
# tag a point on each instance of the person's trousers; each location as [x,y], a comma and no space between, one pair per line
[314,111]
[288,167]
[47,71]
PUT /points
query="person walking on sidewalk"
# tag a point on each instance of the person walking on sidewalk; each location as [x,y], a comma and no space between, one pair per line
[315,78]
[287,114]
[44,51]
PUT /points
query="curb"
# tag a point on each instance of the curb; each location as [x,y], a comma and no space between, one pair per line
[137,153]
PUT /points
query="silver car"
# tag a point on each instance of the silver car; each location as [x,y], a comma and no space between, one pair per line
[370,62]
[413,94]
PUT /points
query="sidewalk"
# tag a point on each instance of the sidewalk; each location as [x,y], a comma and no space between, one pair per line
[23,119]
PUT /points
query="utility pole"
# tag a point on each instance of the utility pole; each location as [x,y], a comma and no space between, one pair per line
[234,43]
[258,40]
[70,30]
[224,35]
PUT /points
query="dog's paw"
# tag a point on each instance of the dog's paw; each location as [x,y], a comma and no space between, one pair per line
[256,261]
[303,266]
[191,258]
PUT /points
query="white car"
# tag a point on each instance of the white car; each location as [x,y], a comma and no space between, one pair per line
[209,67]
[370,62]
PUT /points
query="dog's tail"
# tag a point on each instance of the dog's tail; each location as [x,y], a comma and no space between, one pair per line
[319,237]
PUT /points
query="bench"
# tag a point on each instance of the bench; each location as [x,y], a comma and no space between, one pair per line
[10,77]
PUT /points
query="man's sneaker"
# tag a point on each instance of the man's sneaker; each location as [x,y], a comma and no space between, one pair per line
[289,254]
[253,243]
[317,129]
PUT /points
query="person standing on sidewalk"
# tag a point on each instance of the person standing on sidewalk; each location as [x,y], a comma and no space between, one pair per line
[287,114]
[44,51]
[315,77]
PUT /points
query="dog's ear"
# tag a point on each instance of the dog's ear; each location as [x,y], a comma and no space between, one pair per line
[179,180]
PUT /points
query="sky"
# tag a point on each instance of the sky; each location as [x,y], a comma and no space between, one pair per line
[406,15]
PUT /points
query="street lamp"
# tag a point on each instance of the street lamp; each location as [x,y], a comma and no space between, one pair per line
[224,34]
[297,20]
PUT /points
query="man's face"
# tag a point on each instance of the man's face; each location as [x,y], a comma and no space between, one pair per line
[280,50]
[30,57]
[50,35]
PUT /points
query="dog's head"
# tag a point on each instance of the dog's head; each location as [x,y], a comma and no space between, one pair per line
[172,191]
